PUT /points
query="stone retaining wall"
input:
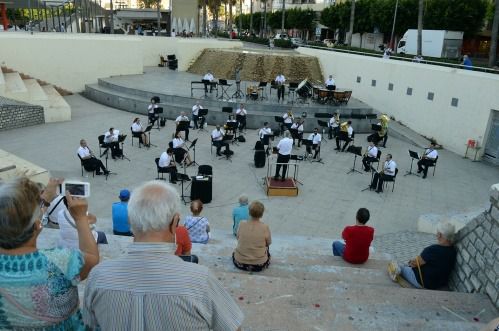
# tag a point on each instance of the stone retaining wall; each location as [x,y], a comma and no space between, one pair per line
[477,266]
[18,116]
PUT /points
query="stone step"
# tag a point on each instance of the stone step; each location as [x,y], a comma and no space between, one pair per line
[2,83]
[15,88]
[313,305]
[58,109]
[37,95]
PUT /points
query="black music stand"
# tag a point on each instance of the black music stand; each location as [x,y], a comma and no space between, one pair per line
[356,151]
[373,171]
[323,125]
[226,140]
[121,140]
[232,126]
[206,82]
[193,146]
[262,87]
[182,179]
[376,127]
[225,87]
[227,110]
[202,115]
[183,126]
[148,131]
[414,156]
[157,111]
[109,172]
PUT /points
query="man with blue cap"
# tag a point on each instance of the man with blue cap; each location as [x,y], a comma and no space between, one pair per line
[121,227]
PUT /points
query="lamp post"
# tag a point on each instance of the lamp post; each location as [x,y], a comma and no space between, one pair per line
[393,26]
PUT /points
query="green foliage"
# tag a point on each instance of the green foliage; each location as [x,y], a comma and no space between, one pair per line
[283,43]
[295,18]
[257,40]
[148,3]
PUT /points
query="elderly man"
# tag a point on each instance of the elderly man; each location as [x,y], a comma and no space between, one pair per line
[240,213]
[159,290]
[88,159]
[431,269]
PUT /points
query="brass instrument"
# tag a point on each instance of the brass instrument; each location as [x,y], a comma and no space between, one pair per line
[383,119]
[344,127]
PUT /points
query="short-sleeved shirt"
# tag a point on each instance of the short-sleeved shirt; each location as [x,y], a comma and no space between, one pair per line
[149,288]
[217,135]
[358,238]
[136,127]
[44,282]
[315,138]
[68,234]
[165,160]
[84,152]
[239,214]
[285,146]
[197,226]
[253,239]
[183,241]
[439,261]
[120,217]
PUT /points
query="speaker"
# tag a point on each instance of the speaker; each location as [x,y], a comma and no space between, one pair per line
[201,189]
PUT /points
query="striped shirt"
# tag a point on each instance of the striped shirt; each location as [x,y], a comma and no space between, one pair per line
[149,288]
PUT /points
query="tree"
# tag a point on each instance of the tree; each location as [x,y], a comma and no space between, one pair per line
[147,3]
[251,17]
[352,19]
[283,15]
[493,38]
[420,28]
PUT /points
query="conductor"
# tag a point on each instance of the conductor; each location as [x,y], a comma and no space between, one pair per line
[284,148]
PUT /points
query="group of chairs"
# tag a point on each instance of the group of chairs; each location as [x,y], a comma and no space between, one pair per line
[171,61]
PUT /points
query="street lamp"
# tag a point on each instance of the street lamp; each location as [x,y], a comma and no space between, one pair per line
[393,26]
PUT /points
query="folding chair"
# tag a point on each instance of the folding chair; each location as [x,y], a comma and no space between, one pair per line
[161,170]
[83,168]
[378,158]
[391,180]
[434,165]
[137,135]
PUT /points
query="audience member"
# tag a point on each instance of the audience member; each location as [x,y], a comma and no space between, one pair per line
[68,234]
[41,281]
[151,289]
[198,226]
[120,215]
[432,268]
[357,239]
[183,242]
[253,241]
[53,203]
[240,213]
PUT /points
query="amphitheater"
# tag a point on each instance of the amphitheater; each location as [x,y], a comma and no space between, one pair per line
[78,86]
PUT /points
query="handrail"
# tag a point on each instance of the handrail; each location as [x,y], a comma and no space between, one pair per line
[7,168]
[442,64]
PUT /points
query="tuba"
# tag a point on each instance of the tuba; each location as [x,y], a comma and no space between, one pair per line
[344,127]
[383,119]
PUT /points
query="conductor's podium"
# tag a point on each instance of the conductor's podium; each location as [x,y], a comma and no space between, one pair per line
[278,188]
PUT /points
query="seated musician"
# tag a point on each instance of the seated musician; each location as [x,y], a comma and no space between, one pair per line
[330,83]
[370,156]
[380,135]
[195,115]
[182,118]
[167,160]
[387,173]
[287,120]
[231,125]
[428,159]
[111,139]
[296,130]
[153,117]
[346,134]
[180,150]
[209,77]
[280,80]
[334,125]
[241,117]
[316,142]
[138,131]
[264,134]
[217,137]
[89,161]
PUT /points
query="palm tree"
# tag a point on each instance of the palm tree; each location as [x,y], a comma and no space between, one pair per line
[231,4]
[420,27]
[283,15]
[352,19]
[493,37]
[263,33]
[251,17]
[214,6]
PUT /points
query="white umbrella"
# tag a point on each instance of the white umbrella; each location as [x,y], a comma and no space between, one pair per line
[192,28]
[174,25]
[186,25]
[179,24]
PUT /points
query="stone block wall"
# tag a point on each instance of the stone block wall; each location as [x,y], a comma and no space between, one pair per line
[477,265]
[18,116]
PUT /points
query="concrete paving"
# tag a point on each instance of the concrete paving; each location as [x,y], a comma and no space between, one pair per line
[327,200]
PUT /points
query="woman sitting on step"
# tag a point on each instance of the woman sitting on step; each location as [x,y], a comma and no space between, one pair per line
[253,241]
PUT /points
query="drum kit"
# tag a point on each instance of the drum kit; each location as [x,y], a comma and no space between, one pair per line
[252,92]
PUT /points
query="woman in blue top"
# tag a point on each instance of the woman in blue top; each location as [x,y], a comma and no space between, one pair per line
[38,288]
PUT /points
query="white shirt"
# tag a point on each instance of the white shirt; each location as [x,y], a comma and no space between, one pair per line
[177,142]
[280,79]
[217,135]
[333,123]
[137,127]
[297,126]
[83,152]
[431,153]
[372,151]
[350,132]
[315,137]
[209,77]
[195,109]
[109,138]
[241,111]
[330,81]
[264,131]
[165,160]
[68,235]
[151,108]
[287,118]
[389,168]
[181,118]
[285,146]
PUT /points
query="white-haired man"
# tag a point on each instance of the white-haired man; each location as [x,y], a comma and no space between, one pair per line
[150,288]
[431,269]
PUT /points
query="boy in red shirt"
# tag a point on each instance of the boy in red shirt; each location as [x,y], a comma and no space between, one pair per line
[358,238]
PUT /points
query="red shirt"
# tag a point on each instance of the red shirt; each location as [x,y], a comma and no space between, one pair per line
[183,241]
[358,238]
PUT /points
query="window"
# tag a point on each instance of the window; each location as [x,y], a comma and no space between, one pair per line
[431,95]
[409,91]
[454,102]
[373,82]
[358,79]
[390,86]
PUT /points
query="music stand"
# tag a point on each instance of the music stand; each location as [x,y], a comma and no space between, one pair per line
[323,125]
[157,111]
[148,131]
[357,151]
[202,115]
[376,127]
[193,146]
[225,87]
[206,82]
[413,155]
[121,140]
[261,87]
[225,140]
[232,126]
[183,126]
[183,196]
[307,143]
[227,110]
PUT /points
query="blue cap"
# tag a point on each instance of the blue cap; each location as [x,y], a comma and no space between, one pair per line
[124,194]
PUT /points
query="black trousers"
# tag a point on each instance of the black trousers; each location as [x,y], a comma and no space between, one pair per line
[280,92]
[282,159]
[423,165]
[195,119]
[242,123]
[378,179]
[347,141]
[94,164]
[333,132]
[315,147]
[366,161]
[115,149]
[220,144]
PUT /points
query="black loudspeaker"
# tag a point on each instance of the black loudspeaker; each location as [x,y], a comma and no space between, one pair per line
[162,122]
[201,189]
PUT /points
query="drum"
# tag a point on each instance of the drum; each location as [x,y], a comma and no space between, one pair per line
[323,94]
[252,92]
[304,89]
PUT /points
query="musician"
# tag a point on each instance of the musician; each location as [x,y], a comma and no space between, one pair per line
[288,120]
[380,135]
[217,137]
[298,134]
[153,117]
[238,79]
[280,80]
[284,148]
[181,150]
[370,156]
[167,160]
[241,117]
[138,131]
[346,134]
[334,125]
[182,118]
[111,139]
[387,173]
[195,115]
[428,159]
[330,83]
[231,125]
[316,142]
[89,161]
[209,77]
